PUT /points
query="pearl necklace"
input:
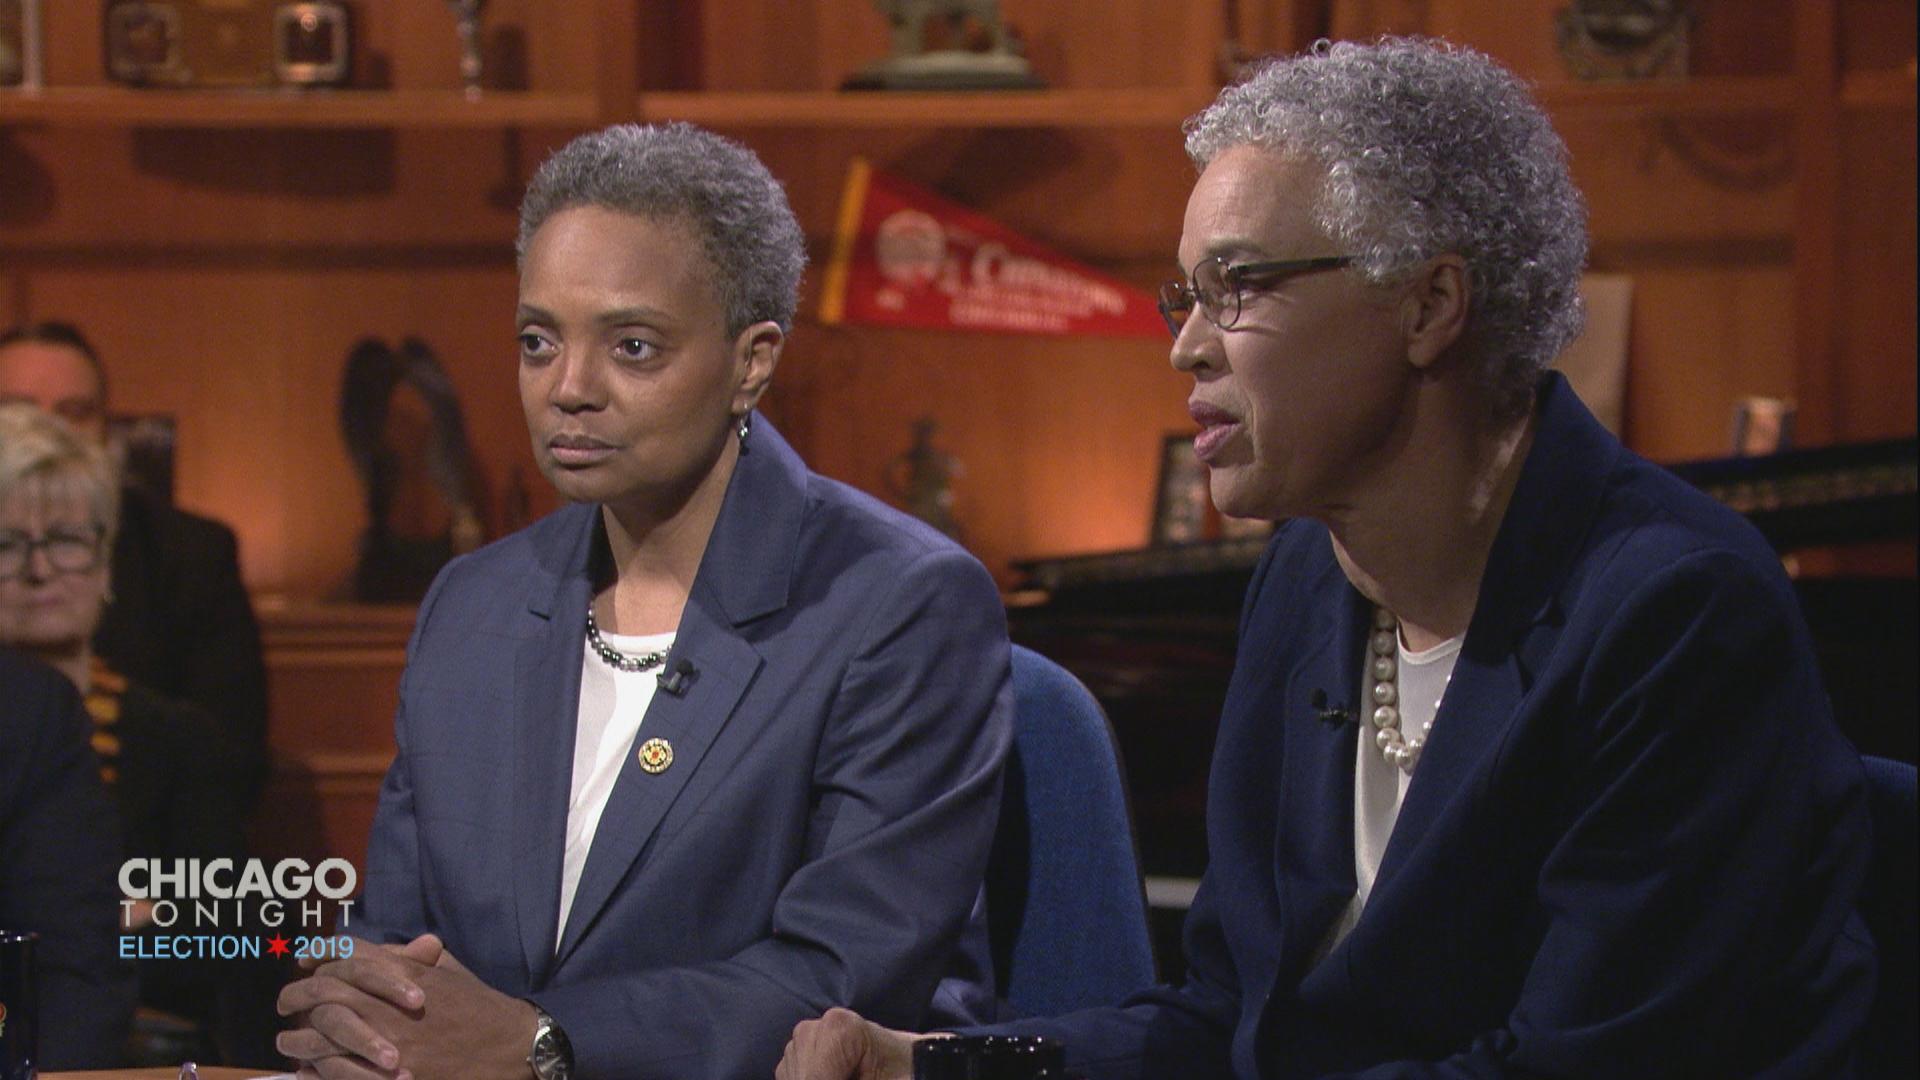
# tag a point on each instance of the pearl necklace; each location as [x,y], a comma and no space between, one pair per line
[1400,751]
[616,659]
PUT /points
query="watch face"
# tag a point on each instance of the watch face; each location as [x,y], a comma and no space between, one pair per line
[552,1057]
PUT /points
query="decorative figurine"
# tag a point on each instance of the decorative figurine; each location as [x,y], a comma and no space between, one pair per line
[922,479]
[466,14]
[1624,39]
[911,65]
[19,35]
[405,434]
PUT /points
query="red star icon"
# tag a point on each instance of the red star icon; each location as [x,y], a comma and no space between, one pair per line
[277,945]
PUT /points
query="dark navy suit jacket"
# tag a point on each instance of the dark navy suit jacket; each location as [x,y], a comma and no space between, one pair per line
[59,854]
[820,836]
[1631,847]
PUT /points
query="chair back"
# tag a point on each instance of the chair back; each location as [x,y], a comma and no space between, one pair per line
[1066,913]
[1890,1046]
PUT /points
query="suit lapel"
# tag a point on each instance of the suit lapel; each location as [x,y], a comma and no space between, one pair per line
[723,667]
[546,696]
[1315,856]
[744,575]
[1553,506]
[1480,703]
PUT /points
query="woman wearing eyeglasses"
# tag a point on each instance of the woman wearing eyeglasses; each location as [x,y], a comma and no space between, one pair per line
[1525,768]
[173,777]
[57,509]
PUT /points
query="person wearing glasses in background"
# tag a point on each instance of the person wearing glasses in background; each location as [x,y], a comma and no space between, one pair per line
[175,776]
[1525,767]
[60,843]
[179,619]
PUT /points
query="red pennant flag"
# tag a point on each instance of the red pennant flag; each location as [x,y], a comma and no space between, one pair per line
[903,256]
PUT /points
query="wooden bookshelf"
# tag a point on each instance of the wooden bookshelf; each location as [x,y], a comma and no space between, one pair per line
[1158,109]
[124,107]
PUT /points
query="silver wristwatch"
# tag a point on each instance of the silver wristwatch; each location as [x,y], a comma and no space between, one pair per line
[552,1054]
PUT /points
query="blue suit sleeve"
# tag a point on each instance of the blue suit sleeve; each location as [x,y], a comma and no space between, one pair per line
[1168,1032]
[393,905]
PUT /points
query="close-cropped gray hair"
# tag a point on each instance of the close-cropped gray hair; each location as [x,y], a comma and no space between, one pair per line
[683,173]
[40,455]
[1429,149]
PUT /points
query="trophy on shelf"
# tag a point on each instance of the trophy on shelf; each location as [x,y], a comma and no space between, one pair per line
[922,478]
[466,16]
[975,50]
[20,44]
[1624,39]
[406,435]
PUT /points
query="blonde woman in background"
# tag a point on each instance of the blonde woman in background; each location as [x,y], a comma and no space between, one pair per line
[175,780]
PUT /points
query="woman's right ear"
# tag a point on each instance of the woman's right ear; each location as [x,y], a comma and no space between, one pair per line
[757,353]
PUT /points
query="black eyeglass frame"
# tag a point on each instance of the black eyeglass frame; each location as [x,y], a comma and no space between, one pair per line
[95,547]
[1179,297]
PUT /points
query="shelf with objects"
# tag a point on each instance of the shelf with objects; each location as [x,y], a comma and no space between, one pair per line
[1160,109]
[122,107]
[122,64]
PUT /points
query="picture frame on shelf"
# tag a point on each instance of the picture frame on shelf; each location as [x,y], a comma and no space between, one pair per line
[1182,505]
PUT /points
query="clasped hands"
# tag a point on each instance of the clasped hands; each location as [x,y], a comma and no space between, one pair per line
[404,1012]
[841,1045]
[414,1012]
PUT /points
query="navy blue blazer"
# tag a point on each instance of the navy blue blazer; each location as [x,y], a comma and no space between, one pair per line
[1631,847]
[59,854]
[820,836]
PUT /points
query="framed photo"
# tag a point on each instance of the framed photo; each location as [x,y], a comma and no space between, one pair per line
[1762,425]
[1182,506]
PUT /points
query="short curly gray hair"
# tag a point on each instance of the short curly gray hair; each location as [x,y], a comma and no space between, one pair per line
[681,172]
[1429,149]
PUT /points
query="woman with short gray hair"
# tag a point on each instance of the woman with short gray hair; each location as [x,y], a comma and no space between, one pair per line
[670,761]
[1525,767]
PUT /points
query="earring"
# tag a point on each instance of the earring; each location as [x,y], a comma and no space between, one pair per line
[746,420]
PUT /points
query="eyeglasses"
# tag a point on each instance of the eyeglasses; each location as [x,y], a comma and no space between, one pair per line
[1216,288]
[78,411]
[67,550]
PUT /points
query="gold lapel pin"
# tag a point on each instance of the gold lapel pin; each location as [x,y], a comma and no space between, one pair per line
[655,755]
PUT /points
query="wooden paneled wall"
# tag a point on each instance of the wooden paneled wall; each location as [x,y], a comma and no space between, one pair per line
[225,273]
[335,680]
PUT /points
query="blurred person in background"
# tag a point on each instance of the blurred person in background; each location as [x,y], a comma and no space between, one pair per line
[175,777]
[59,854]
[179,620]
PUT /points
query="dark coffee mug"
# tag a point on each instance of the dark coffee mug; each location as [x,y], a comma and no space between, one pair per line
[988,1057]
[19,1007]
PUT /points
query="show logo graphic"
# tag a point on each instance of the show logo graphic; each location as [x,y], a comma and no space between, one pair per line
[226,909]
